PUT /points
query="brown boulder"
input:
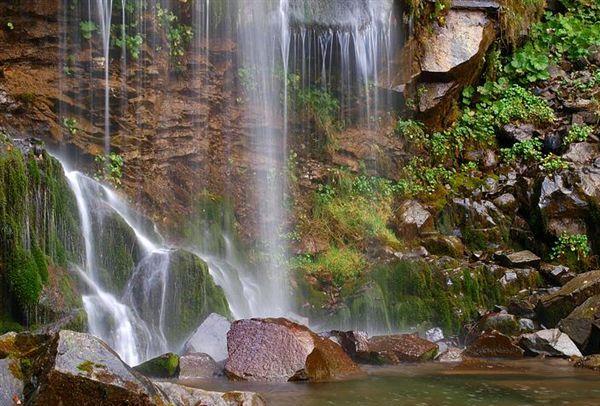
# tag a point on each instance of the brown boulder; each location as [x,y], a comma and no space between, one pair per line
[352,342]
[583,325]
[279,350]
[397,348]
[554,307]
[185,396]
[493,345]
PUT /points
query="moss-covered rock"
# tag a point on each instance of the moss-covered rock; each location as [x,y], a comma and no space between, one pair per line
[163,366]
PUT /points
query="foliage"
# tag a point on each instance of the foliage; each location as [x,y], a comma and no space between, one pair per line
[340,265]
[578,133]
[528,150]
[552,163]
[70,124]
[110,167]
[87,29]
[575,245]
[530,62]
[411,130]
[131,43]
[178,35]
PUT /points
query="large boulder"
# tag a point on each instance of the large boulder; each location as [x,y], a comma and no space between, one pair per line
[81,369]
[185,396]
[583,325]
[210,338]
[555,306]
[198,365]
[11,382]
[352,342]
[520,259]
[279,350]
[552,342]
[397,348]
[562,207]
[413,219]
[493,344]
[163,366]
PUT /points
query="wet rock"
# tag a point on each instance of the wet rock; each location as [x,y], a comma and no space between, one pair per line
[413,219]
[506,202]
[279,350]
[521,259]
[81,369]
[581,152]
[557,275]
[163,366]
[352,342]
[198,365]
[185,396]
[526,325]
[583,325]
[553,307]
[502,322]
[435,94]
[461,41]
[397,348]
[210,338]
[552,343]
[514,133]
[444,245]
[589,362]
[452,354]
[552,143]
[562,207]
[493,345]
[11,385]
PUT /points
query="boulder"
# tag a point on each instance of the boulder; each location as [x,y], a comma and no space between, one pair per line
[452,354]
[81,369]
[581,152]
[553,307]
[502,322]
[562,207]
[589,362]
[397,348]
[493,344]
[552,343]
[11,382]
[186,396]
[210,338]
[520,259]
[412,219]
[352,342]
[279,350]
[440,244]
[506,202]
[583,325]
[526,325]
[198,365]
[514,133]
[557,275]
[163,366]
[434,334]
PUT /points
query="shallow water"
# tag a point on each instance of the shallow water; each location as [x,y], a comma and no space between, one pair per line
[531,382]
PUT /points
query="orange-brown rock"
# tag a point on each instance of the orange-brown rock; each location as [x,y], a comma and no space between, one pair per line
[493,344]
[397,348]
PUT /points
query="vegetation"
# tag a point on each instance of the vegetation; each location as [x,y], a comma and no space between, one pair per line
[110,168]
[572,249]
[578,133]
[178,35]
[87,29]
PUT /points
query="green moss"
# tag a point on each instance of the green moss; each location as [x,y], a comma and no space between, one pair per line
[88,366]
[24,279]
[165,366]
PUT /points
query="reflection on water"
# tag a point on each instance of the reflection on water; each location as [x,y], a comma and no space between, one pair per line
[531,382]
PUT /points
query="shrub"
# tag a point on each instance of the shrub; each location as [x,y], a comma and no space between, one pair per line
[573,249]
[578,133]
[87,29]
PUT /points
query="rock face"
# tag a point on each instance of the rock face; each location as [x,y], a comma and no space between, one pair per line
[493,345]
[11,387]
[583,325]
[184,396]
[551,343]
[164,366]
[210,337]
[394,349]
[279,350]
[198,365]
[554,307]
[82,369]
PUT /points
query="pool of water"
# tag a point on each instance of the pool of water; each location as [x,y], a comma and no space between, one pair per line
[530,382]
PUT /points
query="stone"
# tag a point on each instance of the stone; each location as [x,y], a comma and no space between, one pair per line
[490,6]
[506,202]
[444,245]
[502,322]
[278,350]
[493,345]
[590,362]
[434,334]
[163,366]
[197,366]
[465,35]
[413,219]
[514,133]
[352,342]
[520,259]
[552,343]
[11,386]
[581,152]
[553,307]
[452,354]
[557,275]
[583,325]
[79,368]
[561,206]
[398,348]
[210,338]
[185,396]
[526,325]
[434,94]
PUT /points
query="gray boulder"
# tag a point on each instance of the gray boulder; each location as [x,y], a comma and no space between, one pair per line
[198,365]
[583,325]
[185,396]
[552,343]
[210,338]
[11,386]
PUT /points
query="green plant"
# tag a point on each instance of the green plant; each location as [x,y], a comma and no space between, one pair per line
[411,130]
[341,265]
[578,133]
[110,168]
[552,163]
[178,35]
[10,25]
[528,150]
[131,43]
[571,244]
[87,29]
[70,124]
[530,63]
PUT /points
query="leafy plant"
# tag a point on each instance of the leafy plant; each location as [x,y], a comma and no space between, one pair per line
[178,35]
[411,130]
[70,124]
[87,29]
[528,150]
[110,168]
[571,244]
[552,163]
[131,43]
[578,133]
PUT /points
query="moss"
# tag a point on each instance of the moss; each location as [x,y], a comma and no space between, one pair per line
[24,279]
[165,366]
[88,366]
